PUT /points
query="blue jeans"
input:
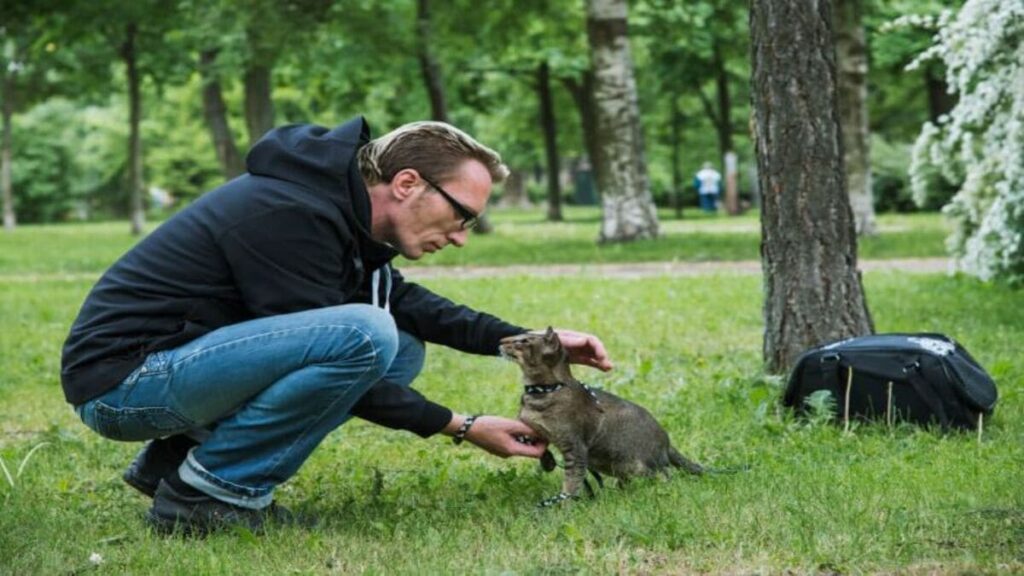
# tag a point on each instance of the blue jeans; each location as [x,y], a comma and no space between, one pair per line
[260,395]
[709,202]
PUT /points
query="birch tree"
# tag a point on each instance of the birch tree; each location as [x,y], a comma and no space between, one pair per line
[852,63]
[619,163]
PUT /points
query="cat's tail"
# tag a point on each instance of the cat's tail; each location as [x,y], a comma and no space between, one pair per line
[680,461]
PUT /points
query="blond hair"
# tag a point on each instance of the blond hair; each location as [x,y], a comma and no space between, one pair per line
[434,149]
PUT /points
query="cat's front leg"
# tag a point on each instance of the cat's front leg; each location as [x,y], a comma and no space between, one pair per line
[574,456]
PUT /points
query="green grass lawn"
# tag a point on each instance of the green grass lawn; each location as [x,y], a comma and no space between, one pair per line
[815,500]
[520,237]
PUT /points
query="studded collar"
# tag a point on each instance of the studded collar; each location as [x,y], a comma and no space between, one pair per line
[538,389]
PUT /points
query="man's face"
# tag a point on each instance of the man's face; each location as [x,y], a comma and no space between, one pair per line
[426,221]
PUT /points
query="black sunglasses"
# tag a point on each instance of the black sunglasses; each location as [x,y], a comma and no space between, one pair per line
[469,218]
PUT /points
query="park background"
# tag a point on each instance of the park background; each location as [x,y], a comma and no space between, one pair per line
[118,114]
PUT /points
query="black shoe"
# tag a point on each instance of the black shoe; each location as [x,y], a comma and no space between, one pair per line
[200,514]
[156,460]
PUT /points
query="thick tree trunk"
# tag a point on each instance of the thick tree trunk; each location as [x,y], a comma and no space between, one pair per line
[619,162]
[135,185]
[432,78]
[550,130]
[215,112]
[812,288]
[852,63]
[10,220]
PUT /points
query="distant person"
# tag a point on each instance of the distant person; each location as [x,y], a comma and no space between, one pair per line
[266,314]
[708,183]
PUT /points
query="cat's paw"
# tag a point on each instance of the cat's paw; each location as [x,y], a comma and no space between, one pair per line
[555,500]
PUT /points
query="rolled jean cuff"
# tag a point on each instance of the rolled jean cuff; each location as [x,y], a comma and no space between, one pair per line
[193,474]
[432,420]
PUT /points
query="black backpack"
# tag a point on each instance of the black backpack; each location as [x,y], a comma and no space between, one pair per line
[919,378]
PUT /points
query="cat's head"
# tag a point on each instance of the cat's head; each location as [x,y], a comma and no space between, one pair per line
[534,352]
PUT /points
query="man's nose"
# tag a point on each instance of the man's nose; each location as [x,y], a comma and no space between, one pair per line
[459,237]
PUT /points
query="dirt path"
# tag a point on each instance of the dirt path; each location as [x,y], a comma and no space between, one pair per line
[649,269]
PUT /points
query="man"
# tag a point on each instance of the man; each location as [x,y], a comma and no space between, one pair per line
[708,181]
[264,315]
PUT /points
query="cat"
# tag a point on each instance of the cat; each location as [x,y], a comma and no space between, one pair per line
[594,430]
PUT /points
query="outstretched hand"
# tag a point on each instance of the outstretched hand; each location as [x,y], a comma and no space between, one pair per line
[585,349]
[505,437]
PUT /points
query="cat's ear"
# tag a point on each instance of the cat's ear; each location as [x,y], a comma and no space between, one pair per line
[551,336]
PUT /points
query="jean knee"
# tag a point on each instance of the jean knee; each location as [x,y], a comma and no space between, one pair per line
[379,328]
[408,362]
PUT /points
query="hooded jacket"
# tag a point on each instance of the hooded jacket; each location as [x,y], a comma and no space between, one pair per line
[290,235]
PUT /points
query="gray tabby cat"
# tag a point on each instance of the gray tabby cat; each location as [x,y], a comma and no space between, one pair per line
[594,430]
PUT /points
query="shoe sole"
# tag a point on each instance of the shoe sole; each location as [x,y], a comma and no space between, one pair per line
[145,488]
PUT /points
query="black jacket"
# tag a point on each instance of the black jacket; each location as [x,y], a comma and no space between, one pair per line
[290,235]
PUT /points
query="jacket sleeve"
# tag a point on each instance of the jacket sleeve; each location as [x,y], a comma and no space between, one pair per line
[401,408]
[436,319]
[287,260]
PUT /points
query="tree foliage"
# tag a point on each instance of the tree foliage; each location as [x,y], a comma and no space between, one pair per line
[980,143]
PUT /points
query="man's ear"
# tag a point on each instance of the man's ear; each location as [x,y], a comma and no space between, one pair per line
[405,183]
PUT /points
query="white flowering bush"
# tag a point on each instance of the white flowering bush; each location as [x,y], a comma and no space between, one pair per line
[980,143]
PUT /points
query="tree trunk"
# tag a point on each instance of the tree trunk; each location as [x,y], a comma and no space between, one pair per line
[677,170]
[724,116]
[940,101]
[136,191]
[432,78]
[619,162]
[812,288]
[10,220]
[514,195]
[852,63]
[550,130]
[583,95]
[215,112]
[259,103]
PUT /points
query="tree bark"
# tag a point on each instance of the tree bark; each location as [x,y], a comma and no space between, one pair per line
[812,288]
[432,77]
[138,206]
[10,219]
[940,101]
[619,162]
[215,112]
[852,63]
[724,117]
[583,95]
[550,130]
[677,171]
[259,103]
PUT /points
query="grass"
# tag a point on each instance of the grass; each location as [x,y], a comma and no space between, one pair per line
[520,237]
[815,500]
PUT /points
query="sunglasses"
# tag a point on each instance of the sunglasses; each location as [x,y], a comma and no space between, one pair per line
[469,218]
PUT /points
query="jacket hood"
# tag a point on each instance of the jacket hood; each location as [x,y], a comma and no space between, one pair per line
[324,160]
[310,155]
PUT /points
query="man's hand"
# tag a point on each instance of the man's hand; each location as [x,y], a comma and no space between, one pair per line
[584,349]
[501,436]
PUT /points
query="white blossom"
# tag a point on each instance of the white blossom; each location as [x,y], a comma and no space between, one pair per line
[95,559]
[980,144]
